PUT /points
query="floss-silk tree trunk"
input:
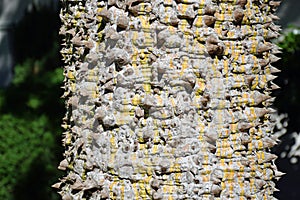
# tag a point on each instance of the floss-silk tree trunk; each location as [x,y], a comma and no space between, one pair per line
[168,99]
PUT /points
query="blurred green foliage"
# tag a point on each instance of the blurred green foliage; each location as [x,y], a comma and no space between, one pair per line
[31,111]
[290,42]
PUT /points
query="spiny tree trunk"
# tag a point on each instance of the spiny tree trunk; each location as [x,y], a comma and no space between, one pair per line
[168,99]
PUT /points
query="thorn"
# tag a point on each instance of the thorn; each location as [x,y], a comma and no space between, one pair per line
[263,48]
[271,77]
[209,10]
[216,189]
[67,197]
[266,157]
[111,2]
[268,142]
[212,40]
[271,100]
[271,110]
[259,97]
[105,14]
[275,190]
[273,70]
[238,15]
[271,35]
[274,4]
[260,183]
[275,51]
[63,165]
[261,111]
[56,185]
[241,3]
[245,126]
[274,27]
[274,86]
[209,20]
[274,17]
[249,80]
[263,62]
[71,31]
[174,20]
[273,58]
[122,22]
[278,173]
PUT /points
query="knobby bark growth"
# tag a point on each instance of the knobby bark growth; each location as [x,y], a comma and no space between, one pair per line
[168,99]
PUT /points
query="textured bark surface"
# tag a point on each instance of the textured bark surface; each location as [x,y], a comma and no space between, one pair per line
[168,99]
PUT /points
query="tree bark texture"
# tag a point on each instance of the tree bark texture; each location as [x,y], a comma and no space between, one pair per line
[168,99]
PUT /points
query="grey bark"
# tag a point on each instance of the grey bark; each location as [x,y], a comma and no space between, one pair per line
[168,99]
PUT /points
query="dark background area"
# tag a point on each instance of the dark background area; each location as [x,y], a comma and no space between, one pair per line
[31,111]
[288,101]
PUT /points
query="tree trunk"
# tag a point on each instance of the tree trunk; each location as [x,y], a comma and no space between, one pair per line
[168,99]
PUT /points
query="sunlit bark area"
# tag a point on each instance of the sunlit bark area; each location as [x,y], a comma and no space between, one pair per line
[168,99]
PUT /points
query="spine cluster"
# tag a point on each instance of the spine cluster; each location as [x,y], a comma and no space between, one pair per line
[168,99]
